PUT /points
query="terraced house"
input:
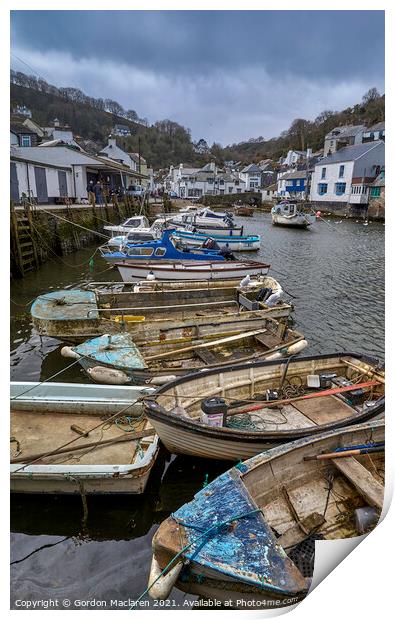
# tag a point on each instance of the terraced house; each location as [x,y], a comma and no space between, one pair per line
[344,177]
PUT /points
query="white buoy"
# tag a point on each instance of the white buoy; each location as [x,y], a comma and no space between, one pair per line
[165,583]
[100,374]
[162,379]
[297,347]
[69,352]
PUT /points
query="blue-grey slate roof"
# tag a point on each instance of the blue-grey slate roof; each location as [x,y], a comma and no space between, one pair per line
[349,153]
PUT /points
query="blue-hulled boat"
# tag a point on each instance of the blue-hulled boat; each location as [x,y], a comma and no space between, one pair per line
[232,241]
[250,534]
[168,248]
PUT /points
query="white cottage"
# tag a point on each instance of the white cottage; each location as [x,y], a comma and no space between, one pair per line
[344,177]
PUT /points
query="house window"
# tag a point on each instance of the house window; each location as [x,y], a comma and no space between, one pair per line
[230,190]
[323,173]
[322,188]
[341,172]
[210,180]
[26,141]
[375,192]
[221,181]
[340,189]
[222,191]
[238,190]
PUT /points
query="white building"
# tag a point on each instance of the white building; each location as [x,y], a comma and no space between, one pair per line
[35,172]
[344,177]
[113,151]
[252,177]
[293,157]
[339,137]
[376,132]
[197,182]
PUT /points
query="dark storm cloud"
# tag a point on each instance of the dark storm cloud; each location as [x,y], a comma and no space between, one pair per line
[310,43]
[227,75]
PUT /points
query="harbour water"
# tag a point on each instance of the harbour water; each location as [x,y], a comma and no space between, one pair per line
[332,273]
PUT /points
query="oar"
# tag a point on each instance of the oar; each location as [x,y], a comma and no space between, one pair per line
[344,453]
[204,345]
[274,403]
[128,437]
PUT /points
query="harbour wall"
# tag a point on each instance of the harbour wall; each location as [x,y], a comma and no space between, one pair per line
[39,233]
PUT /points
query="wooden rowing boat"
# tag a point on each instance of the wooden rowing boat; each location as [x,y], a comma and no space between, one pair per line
[176,408]
[114,457]
[77,314]
[250,534]
[117,359]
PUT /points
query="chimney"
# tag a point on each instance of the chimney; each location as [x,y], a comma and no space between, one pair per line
[309,153]
[56,122]
[112,141]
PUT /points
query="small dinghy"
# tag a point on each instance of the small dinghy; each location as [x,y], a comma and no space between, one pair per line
[290,214]
[78,314]
[68,438]
[250,534]
[117,359]
[244,210]
[234,242]
[235,413]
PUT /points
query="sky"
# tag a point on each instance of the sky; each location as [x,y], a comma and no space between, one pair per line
[226,75]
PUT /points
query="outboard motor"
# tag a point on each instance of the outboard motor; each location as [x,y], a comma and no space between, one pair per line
[210,244]
[227,254]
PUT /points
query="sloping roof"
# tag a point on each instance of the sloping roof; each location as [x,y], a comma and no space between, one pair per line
[19,128]
[209,167]
[344,132]
[298,174]
[135,157]
[349,153]
[252,169]
[377,127]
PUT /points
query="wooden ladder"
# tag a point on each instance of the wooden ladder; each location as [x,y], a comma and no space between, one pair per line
[23,240]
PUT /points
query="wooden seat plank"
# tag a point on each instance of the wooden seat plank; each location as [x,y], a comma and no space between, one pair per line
[324,410]
[362,479]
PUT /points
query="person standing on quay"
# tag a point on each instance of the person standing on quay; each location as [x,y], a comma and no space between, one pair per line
[91,193]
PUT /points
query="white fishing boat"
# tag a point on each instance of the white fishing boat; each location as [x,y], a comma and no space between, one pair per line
[232,241]
[135,222]
[206,221]
[68,438]
[290,214]
[134,271]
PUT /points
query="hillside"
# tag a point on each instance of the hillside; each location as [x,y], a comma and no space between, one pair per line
[162,144]
[304,133]
[166,142]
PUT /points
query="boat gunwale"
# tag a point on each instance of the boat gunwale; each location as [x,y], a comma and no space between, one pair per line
[154,411]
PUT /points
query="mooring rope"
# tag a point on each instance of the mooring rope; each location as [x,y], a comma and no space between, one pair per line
[214,529]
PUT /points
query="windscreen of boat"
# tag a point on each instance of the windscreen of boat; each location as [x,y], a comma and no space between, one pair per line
[140,251]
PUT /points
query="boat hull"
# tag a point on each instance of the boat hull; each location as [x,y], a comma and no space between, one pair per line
[134,271]
[238,244]
[182,434]
[298,221]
